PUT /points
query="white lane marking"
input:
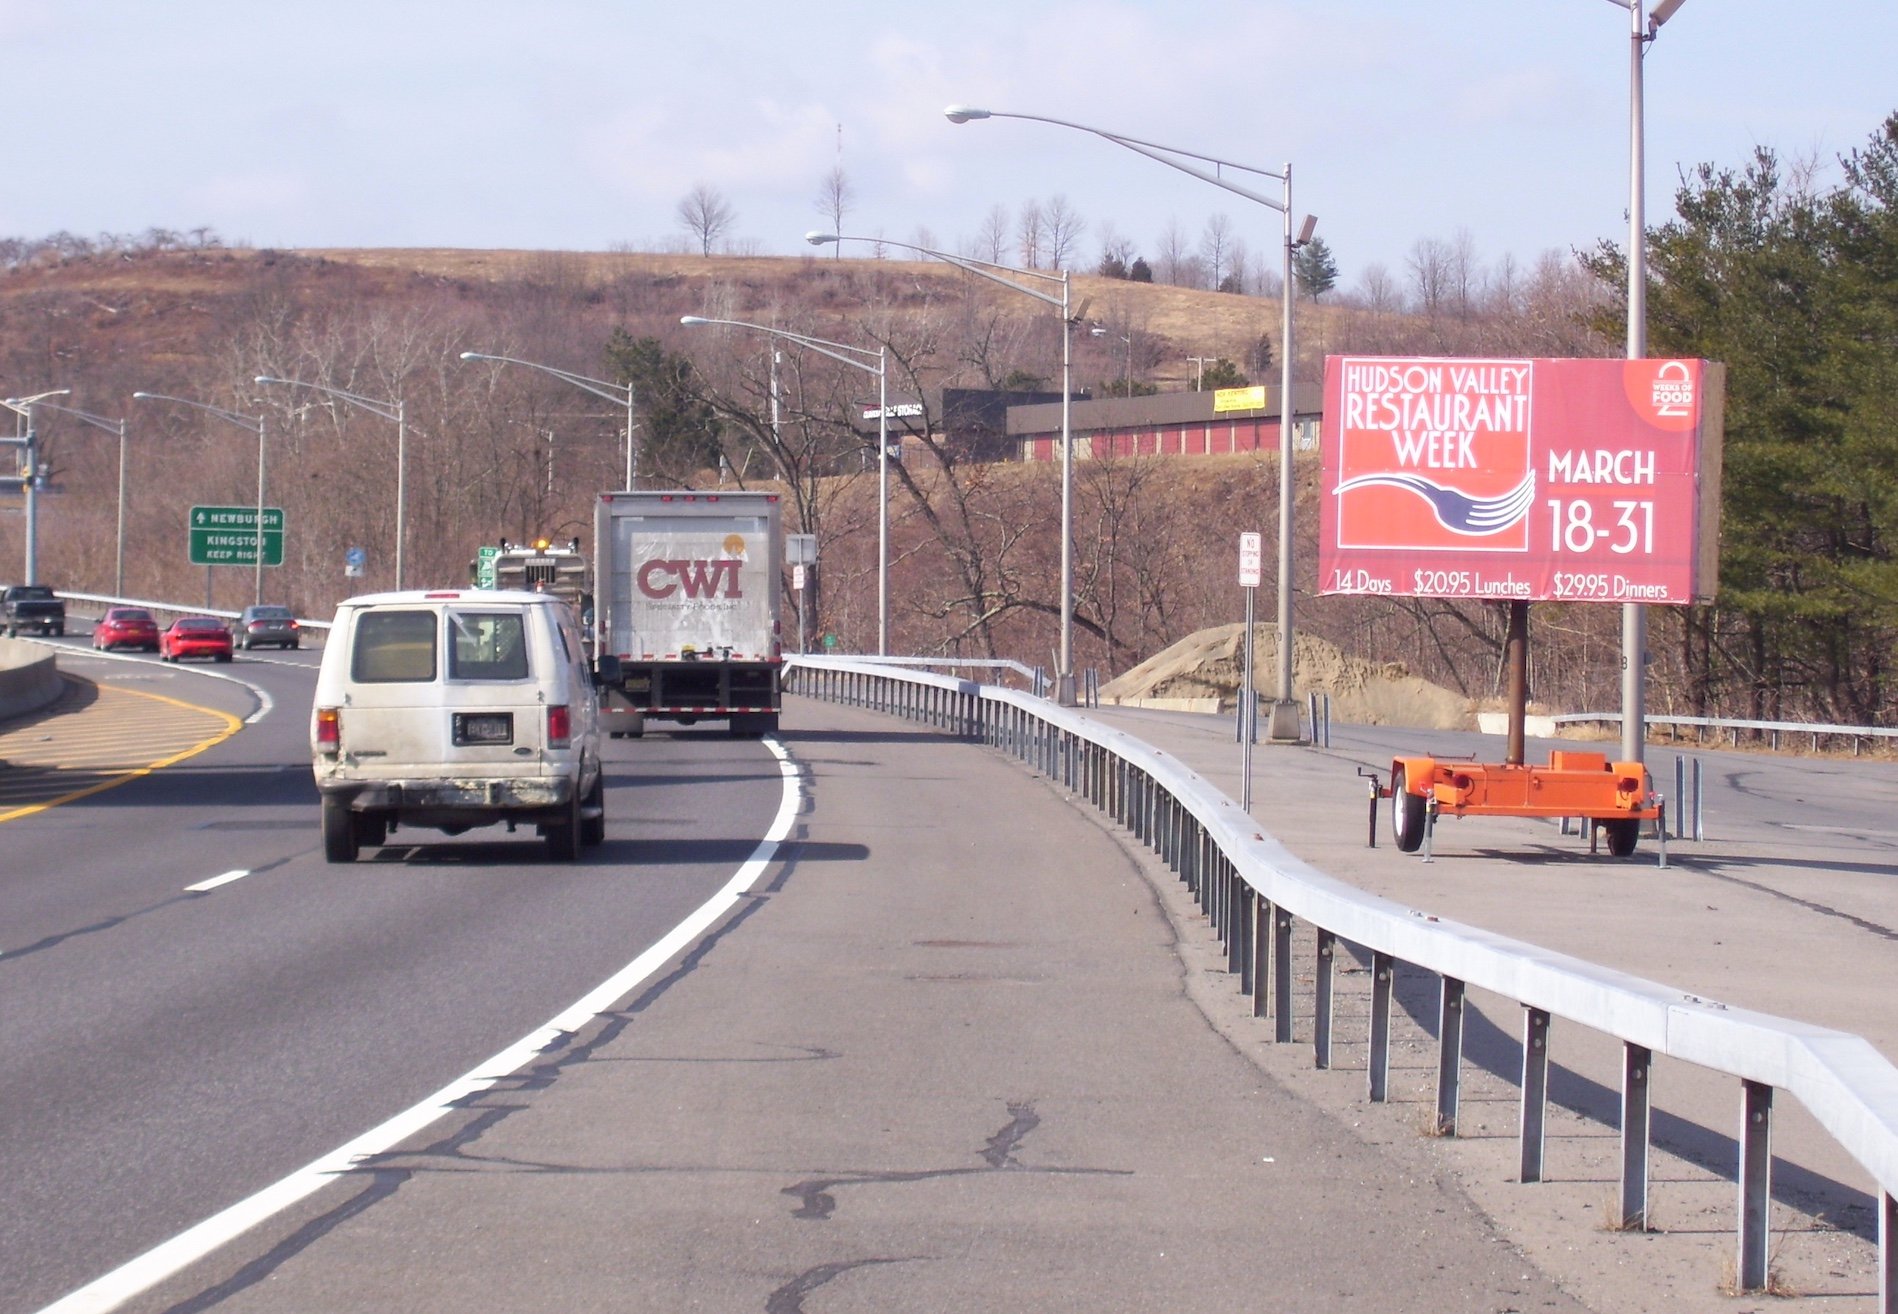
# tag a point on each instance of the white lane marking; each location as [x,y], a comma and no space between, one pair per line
[216,881]
[265,705]
[171,1257]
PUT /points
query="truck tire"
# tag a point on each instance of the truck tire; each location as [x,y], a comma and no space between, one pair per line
[339,831]
[1407,814]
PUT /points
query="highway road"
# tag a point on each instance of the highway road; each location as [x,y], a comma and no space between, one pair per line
[165,1050]
[955,1053]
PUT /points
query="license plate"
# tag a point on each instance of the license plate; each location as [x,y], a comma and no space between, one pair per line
[484,727]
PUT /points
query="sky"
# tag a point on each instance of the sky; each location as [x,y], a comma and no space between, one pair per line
[581,124]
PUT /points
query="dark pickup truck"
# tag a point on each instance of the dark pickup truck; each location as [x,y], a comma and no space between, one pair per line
[32,607]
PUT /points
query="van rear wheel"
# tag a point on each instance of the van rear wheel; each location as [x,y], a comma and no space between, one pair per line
[563,836]
[593,810]
[340,842]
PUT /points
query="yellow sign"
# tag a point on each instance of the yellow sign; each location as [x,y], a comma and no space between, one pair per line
[1239,399]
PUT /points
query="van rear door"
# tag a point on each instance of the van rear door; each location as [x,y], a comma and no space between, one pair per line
[444,689]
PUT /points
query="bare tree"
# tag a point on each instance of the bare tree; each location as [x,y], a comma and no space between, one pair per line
[1215,245]
[1379,291]
[1175,261]
[991,243]
[707,215]
[1429,265]
[834,197]
[1117,253]
[1031,234]
[1465,273]
[1065,226]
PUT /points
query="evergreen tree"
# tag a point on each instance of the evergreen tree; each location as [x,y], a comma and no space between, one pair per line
[1313,267]
[677,432]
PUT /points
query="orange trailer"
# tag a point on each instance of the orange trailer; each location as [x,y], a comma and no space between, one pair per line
[1615,795]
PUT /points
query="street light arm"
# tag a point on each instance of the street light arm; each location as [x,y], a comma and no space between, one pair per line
[994,273]
[823,346]
[255,423]
[1152,150]
[618,393]
[98,421]
[388,410]
[24,405]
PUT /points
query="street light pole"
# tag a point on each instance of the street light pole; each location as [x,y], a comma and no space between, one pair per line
[389,410]
[110,426]
[836,351]
[23,407]
[1634,618]
[246,422]
[1007,275]
[620,394]
[1283,725]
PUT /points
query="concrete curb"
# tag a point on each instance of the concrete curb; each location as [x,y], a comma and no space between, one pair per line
[29,678]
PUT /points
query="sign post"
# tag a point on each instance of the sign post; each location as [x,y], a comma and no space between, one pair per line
[1251,557]
[801,551]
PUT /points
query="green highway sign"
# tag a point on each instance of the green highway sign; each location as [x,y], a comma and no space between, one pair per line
[227,535]
[484,565]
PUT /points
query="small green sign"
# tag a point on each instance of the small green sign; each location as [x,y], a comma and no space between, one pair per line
[484,565]
[830,641]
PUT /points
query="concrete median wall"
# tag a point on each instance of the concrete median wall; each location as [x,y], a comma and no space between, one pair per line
[29,679]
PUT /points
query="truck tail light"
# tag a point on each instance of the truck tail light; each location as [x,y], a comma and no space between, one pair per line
[559,726]
[329,728]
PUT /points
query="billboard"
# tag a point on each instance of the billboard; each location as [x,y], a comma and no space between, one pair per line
[1531,480]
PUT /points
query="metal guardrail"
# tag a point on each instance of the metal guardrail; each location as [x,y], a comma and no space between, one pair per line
[1252,890]
[106,601]
[1772,728]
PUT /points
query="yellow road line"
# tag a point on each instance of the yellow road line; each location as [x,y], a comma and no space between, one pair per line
[231,725]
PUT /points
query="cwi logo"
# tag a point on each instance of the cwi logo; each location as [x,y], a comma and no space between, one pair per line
[718,578]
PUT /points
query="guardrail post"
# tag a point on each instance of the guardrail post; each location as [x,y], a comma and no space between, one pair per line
[1260,915]
[1637,1062]
[1242,918]
[1756,1181]
[1535,1091]
[1235,919]
[1282,976]
[1378,1064]
[1321,1005]
[1887,1254]
[1449,1054]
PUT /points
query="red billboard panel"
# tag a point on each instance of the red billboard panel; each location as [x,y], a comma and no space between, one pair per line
[1559,480]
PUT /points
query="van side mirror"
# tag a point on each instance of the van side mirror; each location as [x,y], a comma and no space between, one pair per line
[606,671]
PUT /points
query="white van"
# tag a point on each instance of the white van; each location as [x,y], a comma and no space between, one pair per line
[455,709]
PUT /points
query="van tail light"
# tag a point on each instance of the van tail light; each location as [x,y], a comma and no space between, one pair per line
[559,726]
[329,729]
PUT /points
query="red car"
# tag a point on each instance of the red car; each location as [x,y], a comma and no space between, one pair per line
[125,627]
[195,636]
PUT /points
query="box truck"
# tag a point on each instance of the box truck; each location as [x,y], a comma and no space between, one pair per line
[687,597]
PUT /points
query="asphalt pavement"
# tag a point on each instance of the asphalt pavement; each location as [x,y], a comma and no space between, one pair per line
[947,1055]
[966,1047]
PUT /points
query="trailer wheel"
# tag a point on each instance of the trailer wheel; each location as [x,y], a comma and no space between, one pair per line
[1622,836]
[1407,813]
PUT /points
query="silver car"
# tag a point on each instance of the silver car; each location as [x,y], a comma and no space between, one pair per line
[268,625]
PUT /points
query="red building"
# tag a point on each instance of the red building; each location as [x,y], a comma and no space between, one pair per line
[1168,424]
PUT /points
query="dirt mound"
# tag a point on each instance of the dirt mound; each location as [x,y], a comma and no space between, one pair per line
[1207,666]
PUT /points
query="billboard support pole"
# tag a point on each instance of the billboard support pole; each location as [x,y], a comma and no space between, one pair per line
[1516,654]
